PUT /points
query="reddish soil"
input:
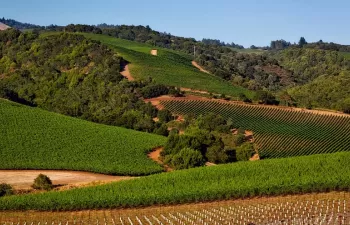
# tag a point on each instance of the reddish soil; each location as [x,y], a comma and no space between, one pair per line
[154,52]
[199,67]
[156,102]
[155,156]
[255,157]
[126,73]
[23,179]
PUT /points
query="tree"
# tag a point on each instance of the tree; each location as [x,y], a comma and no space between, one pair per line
[245,152]
[42,182]
[302,42]
[5,189]
[265,97]
[187,158]
[164,115]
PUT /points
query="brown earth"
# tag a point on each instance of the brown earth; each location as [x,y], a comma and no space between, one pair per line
[23,179]
[71,216]
[126,73]
[3,26]
[156,102]
[155,156]
[195,64]
[154,52]
[195,91]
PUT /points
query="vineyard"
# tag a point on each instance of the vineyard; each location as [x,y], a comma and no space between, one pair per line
[332,208]
[278,132]
[31,138]
[169,67]
[271,177]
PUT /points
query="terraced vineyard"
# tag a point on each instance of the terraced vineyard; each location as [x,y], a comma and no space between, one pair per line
[333,208]
[31,138]
[278,132]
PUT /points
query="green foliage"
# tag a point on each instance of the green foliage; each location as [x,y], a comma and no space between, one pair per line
[324,92]
[32,138]
[154,90]
[5,189]
[277,132]
[267,98]
[185,159]
[69,74]
[42,182]
[245,152]
[165,115]
[169,67]
[317,173]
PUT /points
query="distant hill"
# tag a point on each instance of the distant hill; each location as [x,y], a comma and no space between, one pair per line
[18,25]
[3,26]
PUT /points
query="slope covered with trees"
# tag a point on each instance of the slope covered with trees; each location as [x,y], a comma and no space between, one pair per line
[69,74]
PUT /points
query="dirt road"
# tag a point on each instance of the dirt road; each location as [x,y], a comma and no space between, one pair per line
[23,179]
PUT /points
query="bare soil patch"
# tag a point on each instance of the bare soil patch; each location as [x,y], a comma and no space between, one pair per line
[126,73]
[23,179]
[155,156]
[154,52]
[199,67]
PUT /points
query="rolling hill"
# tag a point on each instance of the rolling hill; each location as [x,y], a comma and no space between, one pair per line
[31,138]
[168,67]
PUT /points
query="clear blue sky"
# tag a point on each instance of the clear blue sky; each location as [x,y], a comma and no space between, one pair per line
[244,22]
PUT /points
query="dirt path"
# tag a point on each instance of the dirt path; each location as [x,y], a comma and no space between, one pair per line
[155,156]
[126,73]
[156,102]
[23,179]
[199,67]
[154,52]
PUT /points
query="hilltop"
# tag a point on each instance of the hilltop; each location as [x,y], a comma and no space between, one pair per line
[3,26]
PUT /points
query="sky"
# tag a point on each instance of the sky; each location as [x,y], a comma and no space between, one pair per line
[245,22]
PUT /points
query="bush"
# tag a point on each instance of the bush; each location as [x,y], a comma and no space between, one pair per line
[187,158]
[164,116]
[5,189]
[245,152]
[42,182]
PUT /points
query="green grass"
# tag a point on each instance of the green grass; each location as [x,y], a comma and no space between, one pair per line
[277,132]
[346,55]
[31,138]
[317,173]
[169,67]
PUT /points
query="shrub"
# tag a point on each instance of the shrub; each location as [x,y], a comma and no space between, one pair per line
[187,158]
[5,189]
[42,182]
[245,152]
[164,116]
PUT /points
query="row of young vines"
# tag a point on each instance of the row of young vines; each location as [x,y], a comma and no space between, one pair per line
[278,132]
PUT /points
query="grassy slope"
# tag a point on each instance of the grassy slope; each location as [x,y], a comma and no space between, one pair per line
[31,138]
[169,67]
[237,180]
[346,55]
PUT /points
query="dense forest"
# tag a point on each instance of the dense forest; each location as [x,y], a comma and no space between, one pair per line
[71,75]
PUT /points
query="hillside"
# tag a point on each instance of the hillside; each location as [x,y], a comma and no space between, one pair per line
[3,26]
[277,132]
[32,138]
[71,75]
[238,180]
[168,67]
